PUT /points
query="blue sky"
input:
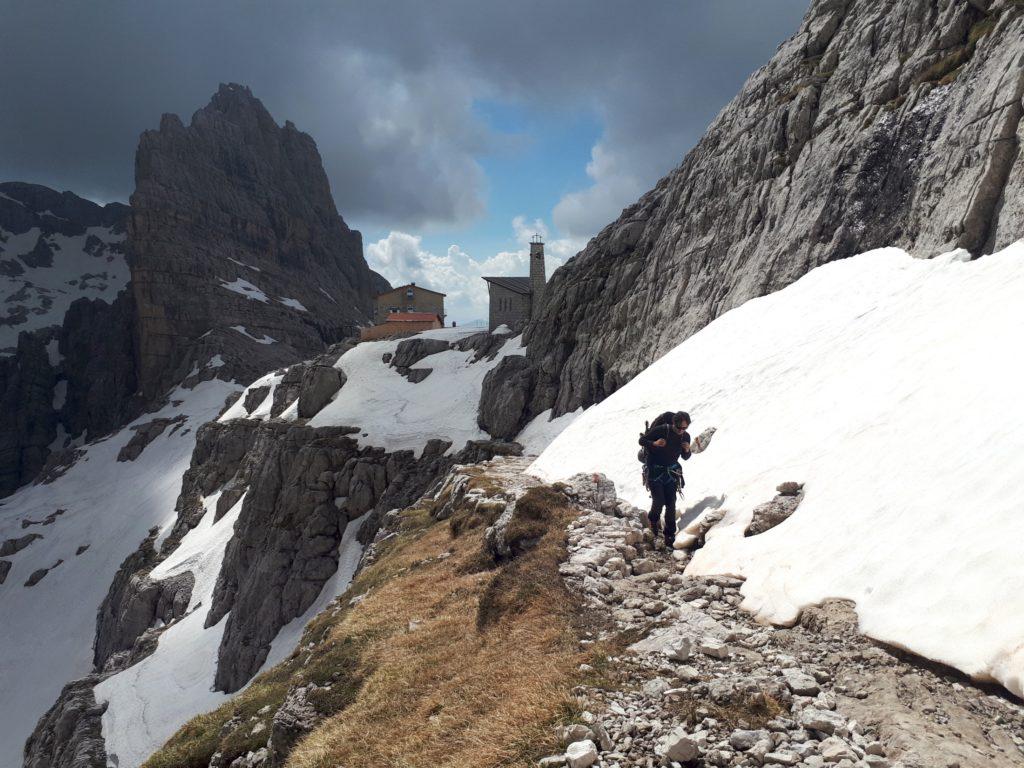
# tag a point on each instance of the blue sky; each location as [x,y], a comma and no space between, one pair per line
[537,158]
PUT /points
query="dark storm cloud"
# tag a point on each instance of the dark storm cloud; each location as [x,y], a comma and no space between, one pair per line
[385,88]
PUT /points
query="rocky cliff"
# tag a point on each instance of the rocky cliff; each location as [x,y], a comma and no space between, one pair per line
[233,228]
[231,261]
[875,124]
[65,325]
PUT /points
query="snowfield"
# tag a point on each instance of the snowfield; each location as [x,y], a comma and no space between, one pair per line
[47,630]
[891,387]
[392,412]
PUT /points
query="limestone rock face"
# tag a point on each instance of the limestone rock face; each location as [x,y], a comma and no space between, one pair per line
[233,227]
[28,423]
[876,124]
[65,327]
[503,397]
[70,734]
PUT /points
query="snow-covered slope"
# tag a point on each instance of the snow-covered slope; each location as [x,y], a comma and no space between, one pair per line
[112,505]
[42,273]
[46,630]
[891,387]
[392,412]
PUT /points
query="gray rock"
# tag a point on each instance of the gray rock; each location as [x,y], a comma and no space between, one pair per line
[821,720]
[5,568]
[768,515]
[503,398]
[567,734]
[135,603]
[411,351]
[416,375]
[712,646]
[581,754]
[742,740]
[294,719]
[13,546]
[234,197]
[800,682]
[254,397]
[319,384]
[678,746]
[70,734]
[145,434]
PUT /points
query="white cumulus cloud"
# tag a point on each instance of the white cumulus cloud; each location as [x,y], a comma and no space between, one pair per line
[401,258]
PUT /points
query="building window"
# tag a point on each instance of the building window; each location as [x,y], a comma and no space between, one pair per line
[409,293]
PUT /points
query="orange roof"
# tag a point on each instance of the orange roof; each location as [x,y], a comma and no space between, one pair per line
[411,317]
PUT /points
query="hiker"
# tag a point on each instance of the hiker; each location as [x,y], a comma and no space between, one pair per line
[664,444]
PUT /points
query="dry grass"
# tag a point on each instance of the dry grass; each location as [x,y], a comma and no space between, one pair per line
[752,712]
[447,693]
[450,659]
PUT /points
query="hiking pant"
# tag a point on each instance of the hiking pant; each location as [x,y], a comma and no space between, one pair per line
[663,496]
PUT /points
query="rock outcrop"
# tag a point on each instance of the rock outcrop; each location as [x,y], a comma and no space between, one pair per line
[877,124]
[70,734]
[233,227]
[304,486]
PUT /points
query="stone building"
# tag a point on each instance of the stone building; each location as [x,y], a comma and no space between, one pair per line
[514,300]
[408,298]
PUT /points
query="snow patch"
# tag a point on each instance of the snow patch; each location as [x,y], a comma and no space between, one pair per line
[149,701]
[243,264]
[891,387]
[60,394]
[245,288]
[294,304]
[395,414]
[538,434]
[262,411]
[265,340]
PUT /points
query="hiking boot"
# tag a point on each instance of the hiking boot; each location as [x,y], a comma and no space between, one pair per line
[655,528]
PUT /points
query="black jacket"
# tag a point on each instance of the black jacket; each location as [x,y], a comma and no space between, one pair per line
[673,449]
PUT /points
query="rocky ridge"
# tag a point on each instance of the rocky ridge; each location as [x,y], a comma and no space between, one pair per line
[297,489]
[876,124]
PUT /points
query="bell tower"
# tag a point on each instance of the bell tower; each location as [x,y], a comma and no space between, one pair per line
[537,275]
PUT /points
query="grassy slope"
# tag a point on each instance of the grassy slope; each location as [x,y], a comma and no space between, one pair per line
[448,660]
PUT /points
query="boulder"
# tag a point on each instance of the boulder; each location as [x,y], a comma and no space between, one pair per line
[678,746]
[581,754]
[319,384]
[503,398]
[411,351]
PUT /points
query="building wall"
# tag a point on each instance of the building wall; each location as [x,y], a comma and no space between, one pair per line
[391,330]
[507,308]
[398,300]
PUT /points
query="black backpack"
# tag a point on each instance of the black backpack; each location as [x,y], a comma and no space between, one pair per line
[660,420]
